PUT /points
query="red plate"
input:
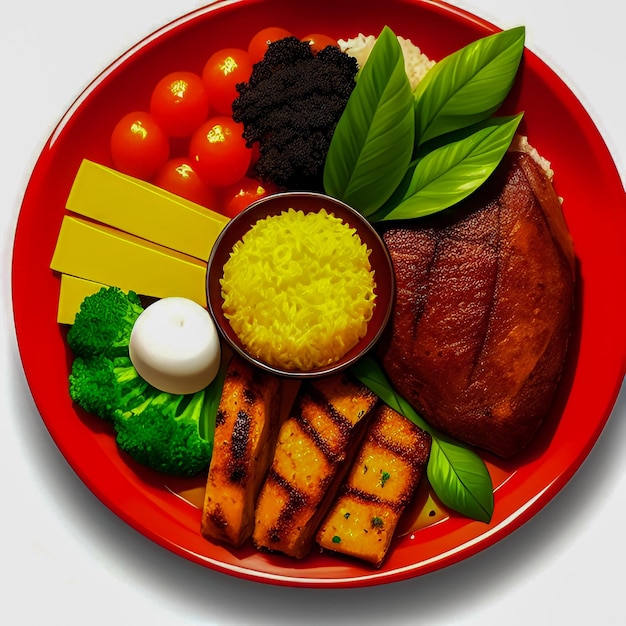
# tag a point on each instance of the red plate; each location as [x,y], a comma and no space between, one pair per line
[595,210]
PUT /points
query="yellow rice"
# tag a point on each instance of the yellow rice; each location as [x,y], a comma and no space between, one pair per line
[298,289]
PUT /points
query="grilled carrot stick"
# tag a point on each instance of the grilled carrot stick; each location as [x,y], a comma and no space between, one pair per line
[245,435]
[315,446]
[389,465]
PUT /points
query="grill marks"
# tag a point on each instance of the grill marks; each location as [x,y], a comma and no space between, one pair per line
[240,441]
[245,436]
[314,449]
[305,466]
[309,406]
[309,412]
[239,446]
[295,501]
[381,482]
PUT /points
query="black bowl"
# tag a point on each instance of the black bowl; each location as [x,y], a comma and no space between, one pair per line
[307,202]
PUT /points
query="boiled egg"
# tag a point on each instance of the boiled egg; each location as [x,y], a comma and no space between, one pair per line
[174,345]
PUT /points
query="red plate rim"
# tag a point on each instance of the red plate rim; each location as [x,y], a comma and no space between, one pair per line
[141,500]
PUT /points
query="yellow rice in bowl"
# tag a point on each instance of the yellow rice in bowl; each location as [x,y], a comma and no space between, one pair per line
[298,289]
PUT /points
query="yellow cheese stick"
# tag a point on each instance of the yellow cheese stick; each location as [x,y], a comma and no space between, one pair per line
[102,254]
[142,209]
[73,291]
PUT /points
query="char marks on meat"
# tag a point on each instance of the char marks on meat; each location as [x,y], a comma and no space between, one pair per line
[484,309]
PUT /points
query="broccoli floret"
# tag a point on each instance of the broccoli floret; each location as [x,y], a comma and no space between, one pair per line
[104,322]
[102,386]
[291,106]
[157,429]
[162,433]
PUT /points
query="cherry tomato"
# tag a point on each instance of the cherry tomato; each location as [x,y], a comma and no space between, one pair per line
[178,176]
[180,103]
[258,44]
[236,197]
[139,147]
[319,42]
[218,151]
[224,69]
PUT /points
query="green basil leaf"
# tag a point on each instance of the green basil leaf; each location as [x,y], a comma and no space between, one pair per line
[458,476]
[372,144]
[460,479]
[468,85]
[212,396]
[450,172]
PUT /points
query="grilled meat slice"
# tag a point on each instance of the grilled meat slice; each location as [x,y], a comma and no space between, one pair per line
[245,435]
[381,482]
[315,446]
[484,309]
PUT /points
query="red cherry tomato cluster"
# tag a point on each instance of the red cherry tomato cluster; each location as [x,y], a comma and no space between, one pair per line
[187,142]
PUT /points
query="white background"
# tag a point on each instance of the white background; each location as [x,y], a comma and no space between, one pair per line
[65,559]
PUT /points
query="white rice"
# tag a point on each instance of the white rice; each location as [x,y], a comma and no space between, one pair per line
[520,144]
[416,62]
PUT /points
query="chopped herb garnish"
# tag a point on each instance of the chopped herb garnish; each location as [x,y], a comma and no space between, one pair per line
[384,477]
[336,539]
[377,522]
[346,515]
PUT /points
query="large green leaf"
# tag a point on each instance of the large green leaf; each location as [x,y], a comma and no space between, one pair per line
[212,396]
[468,85]
[372,144]
[451,171]
[460,481]
[458,476]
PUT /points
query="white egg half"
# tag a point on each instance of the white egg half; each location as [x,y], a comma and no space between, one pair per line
[174,345]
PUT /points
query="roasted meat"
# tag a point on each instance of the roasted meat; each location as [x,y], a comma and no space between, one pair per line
[245,435]
[381,482]
[484,309]
[315,447]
